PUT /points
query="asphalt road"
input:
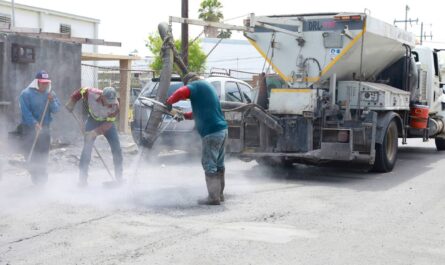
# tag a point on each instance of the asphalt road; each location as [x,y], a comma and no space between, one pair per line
[305,215]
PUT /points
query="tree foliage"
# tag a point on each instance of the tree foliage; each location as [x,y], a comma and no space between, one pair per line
[197,57]
[210,10]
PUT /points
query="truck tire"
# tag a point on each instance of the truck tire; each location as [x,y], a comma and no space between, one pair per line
[386,152]
[274,162]
[440,144]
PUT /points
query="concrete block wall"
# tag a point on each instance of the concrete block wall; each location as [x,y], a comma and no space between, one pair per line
[61,60]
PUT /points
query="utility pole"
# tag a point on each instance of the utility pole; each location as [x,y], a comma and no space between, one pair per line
[423,35]
[185,33]
[406,19]
[13,12]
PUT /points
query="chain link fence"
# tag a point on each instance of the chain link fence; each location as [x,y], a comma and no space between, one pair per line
[101,76]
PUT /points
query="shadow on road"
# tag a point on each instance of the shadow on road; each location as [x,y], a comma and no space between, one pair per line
[412,162]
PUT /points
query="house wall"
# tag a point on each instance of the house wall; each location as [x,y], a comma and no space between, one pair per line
[49,21]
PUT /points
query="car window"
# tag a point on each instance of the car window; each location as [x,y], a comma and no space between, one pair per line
[232,92]
[217,86]
[147,91]
[173,87]
[152,88]
[246,91]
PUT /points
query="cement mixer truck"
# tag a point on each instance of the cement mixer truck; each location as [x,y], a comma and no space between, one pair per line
[352,86]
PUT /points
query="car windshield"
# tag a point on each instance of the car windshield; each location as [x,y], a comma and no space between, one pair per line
[152,88]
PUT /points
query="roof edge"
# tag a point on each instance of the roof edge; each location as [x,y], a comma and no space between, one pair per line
[49,11]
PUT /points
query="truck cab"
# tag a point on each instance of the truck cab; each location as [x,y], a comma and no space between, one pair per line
[430,81]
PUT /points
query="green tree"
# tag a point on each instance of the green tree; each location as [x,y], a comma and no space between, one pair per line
[225,34]
[210,10]
[197,57]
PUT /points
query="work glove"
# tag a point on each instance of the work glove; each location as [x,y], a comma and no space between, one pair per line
[70,105]
[179,116]
[37,127]
[168,106]
[51,95]
[174,111]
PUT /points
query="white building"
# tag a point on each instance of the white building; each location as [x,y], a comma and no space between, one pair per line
[51,21]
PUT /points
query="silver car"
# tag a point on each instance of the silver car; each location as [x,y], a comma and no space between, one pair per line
[183,135]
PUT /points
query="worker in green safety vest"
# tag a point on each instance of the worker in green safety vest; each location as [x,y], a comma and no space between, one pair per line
[103,108]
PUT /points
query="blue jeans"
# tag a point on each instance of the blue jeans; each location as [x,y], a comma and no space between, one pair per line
[113,140]
[213,152]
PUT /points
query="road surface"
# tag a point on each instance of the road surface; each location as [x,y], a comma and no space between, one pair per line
[305,215]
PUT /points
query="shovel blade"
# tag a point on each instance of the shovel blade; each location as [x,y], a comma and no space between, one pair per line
[112,184]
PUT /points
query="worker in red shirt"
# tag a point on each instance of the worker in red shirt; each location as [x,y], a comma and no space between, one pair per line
[211,125]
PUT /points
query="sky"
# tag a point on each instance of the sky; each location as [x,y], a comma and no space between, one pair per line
[131,21]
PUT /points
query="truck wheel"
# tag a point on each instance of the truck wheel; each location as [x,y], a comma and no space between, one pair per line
[386,152]
[440,144]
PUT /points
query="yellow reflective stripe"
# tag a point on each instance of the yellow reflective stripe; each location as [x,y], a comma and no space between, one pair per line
[274,67]
[110,119]
[291,90]
[311,79]
[345,50]
[83,90]
[324,71]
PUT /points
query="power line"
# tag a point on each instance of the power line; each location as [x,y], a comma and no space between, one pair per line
[233,18]
[235,59]
[435,42]
[406,20]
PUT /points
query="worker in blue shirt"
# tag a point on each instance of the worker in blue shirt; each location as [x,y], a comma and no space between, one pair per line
[33,100]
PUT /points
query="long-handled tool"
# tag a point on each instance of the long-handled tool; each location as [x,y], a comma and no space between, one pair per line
[36,137]
[95,149]
[149,102]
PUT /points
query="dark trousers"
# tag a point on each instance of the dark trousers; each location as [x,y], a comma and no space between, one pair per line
[113,140]
[37,165]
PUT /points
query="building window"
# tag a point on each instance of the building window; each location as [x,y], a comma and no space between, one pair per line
[23,53]
[65,28]
[5,18]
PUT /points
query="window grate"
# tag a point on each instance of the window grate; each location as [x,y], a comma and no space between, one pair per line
[5,18]
[65,28]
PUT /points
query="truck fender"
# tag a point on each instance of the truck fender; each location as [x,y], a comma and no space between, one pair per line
[383,120]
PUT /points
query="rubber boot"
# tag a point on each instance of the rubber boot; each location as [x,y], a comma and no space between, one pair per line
[221,176]
[214,189]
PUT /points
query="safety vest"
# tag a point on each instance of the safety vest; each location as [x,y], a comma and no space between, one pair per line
[96,110]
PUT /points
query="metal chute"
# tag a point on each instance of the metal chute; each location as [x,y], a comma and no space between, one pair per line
[157,115]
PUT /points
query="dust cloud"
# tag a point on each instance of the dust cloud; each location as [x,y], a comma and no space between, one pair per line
[153,180]
[167,176]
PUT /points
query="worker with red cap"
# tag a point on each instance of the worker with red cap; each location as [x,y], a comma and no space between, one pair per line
[37,104]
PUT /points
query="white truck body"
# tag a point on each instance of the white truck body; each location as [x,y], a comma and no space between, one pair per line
[351,86]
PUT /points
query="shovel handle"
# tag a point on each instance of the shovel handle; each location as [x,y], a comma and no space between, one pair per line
[38,132]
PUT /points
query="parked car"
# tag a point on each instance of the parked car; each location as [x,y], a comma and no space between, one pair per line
[134,94]
[183,135]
